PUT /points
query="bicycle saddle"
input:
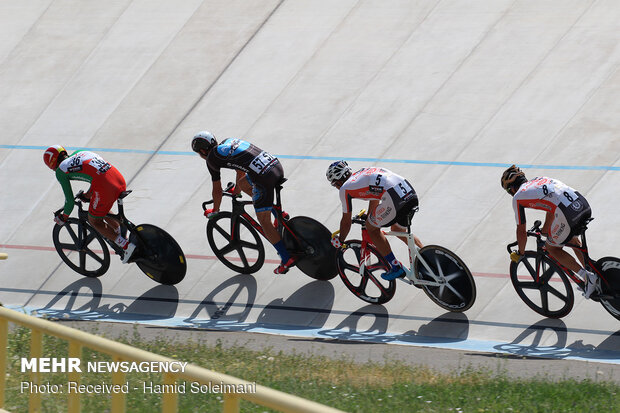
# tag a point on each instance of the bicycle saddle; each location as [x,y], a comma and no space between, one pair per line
[124,194]
[281,182]
[583,226]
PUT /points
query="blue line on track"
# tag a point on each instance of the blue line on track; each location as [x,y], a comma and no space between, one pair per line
[352,159]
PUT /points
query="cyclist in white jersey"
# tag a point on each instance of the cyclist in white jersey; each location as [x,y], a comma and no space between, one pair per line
[391,197]
[565,209]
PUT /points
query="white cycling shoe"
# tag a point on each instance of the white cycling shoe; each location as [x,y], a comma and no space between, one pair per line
[128,252]
[590,284]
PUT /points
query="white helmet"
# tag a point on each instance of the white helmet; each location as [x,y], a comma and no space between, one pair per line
[337,171]
[203,141]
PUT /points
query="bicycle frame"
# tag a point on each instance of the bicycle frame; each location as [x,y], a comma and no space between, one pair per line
[414,252]
[583,249]
[238,210]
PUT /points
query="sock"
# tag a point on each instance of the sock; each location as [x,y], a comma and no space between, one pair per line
[282,252]
[392,260]
[121,242]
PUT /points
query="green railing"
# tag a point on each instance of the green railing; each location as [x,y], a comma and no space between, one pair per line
[77,340]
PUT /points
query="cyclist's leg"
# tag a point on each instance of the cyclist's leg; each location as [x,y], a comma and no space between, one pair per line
[401,220]
[104,192]
[262,196]
[384,215]
[243,182]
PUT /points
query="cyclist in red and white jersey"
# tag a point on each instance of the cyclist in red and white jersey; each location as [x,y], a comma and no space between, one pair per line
[565,212]
[106,184]
[391,198]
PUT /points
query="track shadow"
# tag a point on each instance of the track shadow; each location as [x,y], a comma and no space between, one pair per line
[354,328]
[83,301]
[447,328]
[529,343]
[228,304]
[308,307]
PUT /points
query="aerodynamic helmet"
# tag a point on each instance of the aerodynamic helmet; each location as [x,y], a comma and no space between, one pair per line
[513,177]
[337,171]
[203,141]
[51,154]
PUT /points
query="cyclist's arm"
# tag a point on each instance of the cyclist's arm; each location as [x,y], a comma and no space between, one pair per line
[548,220]
[521,238]
[345,225]
[65,183]
[216,192]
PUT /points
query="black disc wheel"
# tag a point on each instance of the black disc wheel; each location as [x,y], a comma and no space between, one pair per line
[542,285]
[81,248]
[456,289]
[310,242]
[610,267]
[237,246]
[360,267]
[158,255]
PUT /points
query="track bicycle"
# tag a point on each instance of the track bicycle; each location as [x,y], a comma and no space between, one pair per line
[234,238]
[544,284]
[442,275]
[157,253]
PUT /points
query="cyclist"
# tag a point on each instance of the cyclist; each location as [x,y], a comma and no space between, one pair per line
[258,173]
[391,197]
[565,209]
[106,184]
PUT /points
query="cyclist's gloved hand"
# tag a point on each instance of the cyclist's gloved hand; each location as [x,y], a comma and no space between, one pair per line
[515,256]
[211,213]
[60,219]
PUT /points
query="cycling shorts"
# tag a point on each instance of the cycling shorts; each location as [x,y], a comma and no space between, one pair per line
[393,209]
[105,190]
[568,221]
[263,189]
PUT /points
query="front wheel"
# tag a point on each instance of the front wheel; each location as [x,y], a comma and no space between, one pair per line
[310,242]
[456,289]
[158,255]
[542,285]
[360,267]
[610,267]
[238,246]
[91,258]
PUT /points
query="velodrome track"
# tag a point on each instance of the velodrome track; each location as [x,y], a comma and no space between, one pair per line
[446,93]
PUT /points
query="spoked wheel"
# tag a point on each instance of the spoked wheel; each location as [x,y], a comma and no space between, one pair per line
[457,290]
[610,267]
[542,285]
[369,286]
[310,241]
[240,247]
[81,248]
[158,255]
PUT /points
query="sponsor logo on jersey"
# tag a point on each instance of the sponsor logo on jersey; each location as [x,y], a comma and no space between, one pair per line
[375,189]
[576,205]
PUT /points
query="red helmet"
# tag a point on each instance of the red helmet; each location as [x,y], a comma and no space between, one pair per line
[50,157]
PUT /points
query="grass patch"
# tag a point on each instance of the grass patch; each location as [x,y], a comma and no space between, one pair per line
[343,384]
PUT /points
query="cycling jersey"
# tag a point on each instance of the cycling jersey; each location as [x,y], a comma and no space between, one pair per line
[395,193]
[240,155]
[568,207]
[262,169]
[106,182]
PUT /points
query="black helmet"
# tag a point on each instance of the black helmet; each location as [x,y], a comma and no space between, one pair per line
[203,142]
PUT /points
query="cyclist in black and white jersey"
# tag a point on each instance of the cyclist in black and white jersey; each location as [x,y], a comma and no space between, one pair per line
[258,173]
